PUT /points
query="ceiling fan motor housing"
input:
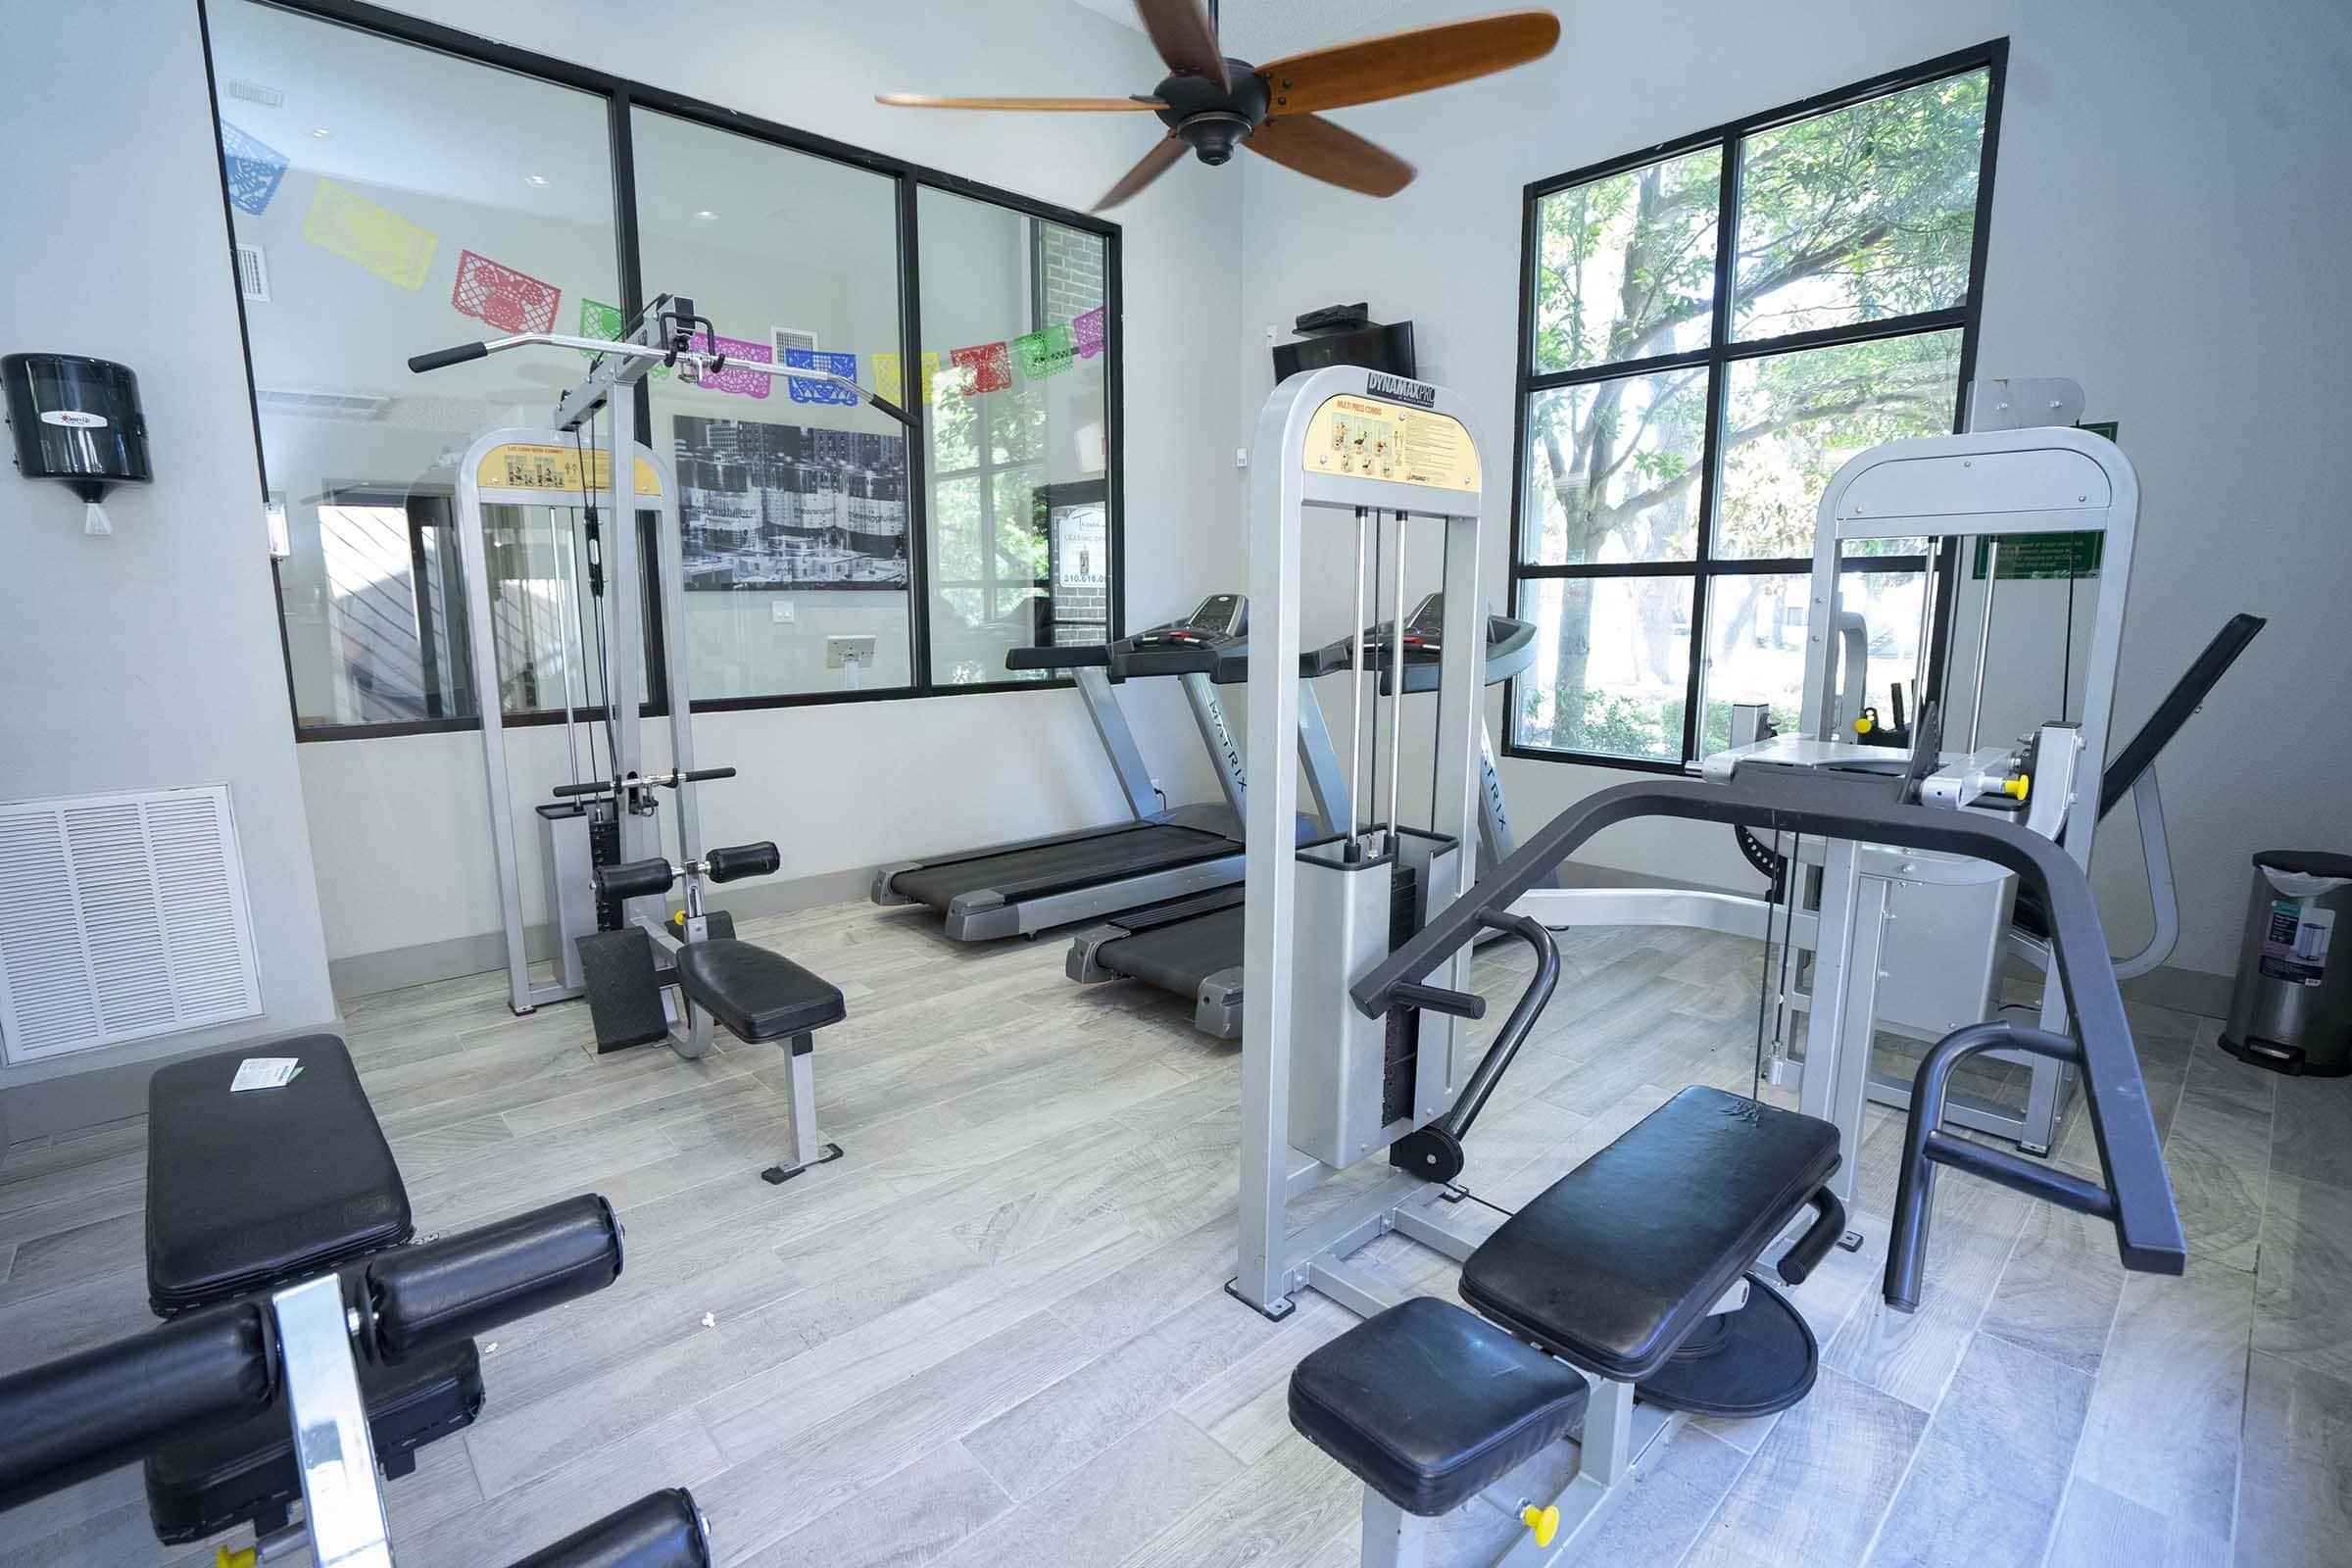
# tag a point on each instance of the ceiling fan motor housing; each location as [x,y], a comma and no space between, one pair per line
[1213,121]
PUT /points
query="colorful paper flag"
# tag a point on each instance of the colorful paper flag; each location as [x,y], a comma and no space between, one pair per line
[253,168]
[598,319]
[745,383]
[845,365]
[890,376]
[1086,333]
[983,368]
[347,224]
[1044,352]
[511,301]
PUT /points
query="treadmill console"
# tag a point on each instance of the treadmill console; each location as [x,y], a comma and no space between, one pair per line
[1211,641]
[1511,646]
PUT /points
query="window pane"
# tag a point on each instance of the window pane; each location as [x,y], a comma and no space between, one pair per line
[1612,469]
[1019,501]
[1790,421]
[1626,265]
[1757,638]
[1861,213]
[794,502]
[459,202]
[1616,677]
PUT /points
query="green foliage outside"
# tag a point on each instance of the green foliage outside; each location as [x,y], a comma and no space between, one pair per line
[1848,218]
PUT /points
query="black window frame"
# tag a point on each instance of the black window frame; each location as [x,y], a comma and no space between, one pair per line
[1718,357]
[623,95]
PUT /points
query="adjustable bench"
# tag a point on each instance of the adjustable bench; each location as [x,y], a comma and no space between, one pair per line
[1635,1268]
[761,996]
[247,1192]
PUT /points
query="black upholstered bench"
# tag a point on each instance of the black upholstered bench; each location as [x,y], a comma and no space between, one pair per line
[250,1190]
[1635,1267]
[756,993]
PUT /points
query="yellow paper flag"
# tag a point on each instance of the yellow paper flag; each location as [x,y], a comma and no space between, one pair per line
[351,226]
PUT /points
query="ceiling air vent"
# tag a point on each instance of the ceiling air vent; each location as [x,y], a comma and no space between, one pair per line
[793,337]
[253,274]
[302,402]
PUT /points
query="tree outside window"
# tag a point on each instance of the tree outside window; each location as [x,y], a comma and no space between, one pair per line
[1713,328]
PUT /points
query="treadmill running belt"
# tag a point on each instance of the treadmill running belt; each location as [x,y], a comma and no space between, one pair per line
[1177,957]
[1046,868]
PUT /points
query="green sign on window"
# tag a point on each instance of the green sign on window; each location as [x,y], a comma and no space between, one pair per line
[2031,557]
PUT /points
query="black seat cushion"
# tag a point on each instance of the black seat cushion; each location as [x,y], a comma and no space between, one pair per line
[1616,1262]
[245,1472]
[247,1190]
[756,994]
[1425,1404]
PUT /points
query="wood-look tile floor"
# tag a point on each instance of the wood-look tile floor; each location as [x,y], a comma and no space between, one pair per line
[994,1332]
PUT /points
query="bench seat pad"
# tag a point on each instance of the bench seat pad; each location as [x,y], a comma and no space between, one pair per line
[1616,1262]
[757,994]
[273,1184]
[246,1470]
[1427,1405]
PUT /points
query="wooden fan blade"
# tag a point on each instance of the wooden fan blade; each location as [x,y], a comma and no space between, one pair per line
[1185,37]
[1414,61]
[924,100]
[1331,153]
[1154,163]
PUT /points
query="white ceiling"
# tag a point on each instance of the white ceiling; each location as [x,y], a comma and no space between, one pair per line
[1268,30]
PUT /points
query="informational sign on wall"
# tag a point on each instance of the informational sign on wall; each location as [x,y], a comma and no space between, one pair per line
[2041,556]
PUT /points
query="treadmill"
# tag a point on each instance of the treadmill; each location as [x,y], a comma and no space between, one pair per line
[1191,948]
[1028,885]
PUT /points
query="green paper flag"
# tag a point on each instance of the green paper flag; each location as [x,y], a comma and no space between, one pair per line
[1044,352]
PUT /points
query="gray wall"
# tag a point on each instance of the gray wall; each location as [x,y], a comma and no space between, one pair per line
[2167,229]
[149,659]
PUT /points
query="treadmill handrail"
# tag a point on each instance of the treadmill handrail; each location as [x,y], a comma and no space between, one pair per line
[1864,808]
[1082,656]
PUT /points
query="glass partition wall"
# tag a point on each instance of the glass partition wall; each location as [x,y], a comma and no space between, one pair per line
[398,186]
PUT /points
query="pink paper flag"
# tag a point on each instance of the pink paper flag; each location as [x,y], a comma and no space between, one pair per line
[749,384]
[1086,333]
[511,301]
[984,367]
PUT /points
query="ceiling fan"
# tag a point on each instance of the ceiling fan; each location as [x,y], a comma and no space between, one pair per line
[1213,103]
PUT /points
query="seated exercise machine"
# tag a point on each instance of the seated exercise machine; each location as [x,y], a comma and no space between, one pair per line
[300,1371]
[1851,970]
[614,939]
[1027,885]
[1191,948]
[1630,1293]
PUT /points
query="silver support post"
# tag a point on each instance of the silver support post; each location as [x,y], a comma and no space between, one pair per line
[340,1500]
[489,696]
[1392,1538]
[1355,689]
[560,557]
[1396,690]
[1320,762]
[1118,742]
[1606,1447]
[1845,989]
[1993,577]
[1208,717]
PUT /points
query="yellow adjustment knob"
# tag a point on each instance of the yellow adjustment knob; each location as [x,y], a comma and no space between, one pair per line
[1545,1522]
[1863,725]
[243,1557]
[2018,787]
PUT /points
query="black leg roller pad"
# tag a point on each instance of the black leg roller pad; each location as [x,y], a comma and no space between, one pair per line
[663,1530]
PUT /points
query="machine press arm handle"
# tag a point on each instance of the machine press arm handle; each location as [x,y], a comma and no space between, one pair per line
[438,358]
[1861,807]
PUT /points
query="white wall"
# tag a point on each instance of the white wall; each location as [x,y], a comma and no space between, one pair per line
[2167,229]
[149,659]
[399,825]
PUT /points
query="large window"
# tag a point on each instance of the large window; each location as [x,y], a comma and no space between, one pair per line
[398,186]
[1710,329]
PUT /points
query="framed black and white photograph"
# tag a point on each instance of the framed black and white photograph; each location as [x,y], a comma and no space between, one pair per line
[788,506]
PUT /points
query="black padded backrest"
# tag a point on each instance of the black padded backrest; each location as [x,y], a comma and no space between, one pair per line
[2188,693]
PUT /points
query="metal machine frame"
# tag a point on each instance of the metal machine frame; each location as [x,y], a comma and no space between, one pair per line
[1299,1028]
[524,465]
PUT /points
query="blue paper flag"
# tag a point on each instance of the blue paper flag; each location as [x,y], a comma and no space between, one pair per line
[841,364]
[255,169]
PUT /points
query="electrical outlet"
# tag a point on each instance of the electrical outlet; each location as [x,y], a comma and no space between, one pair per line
[780,611]
[1240,456]
[1272,332]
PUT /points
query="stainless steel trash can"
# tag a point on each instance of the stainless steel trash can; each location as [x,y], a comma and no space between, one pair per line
[2291,1010]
